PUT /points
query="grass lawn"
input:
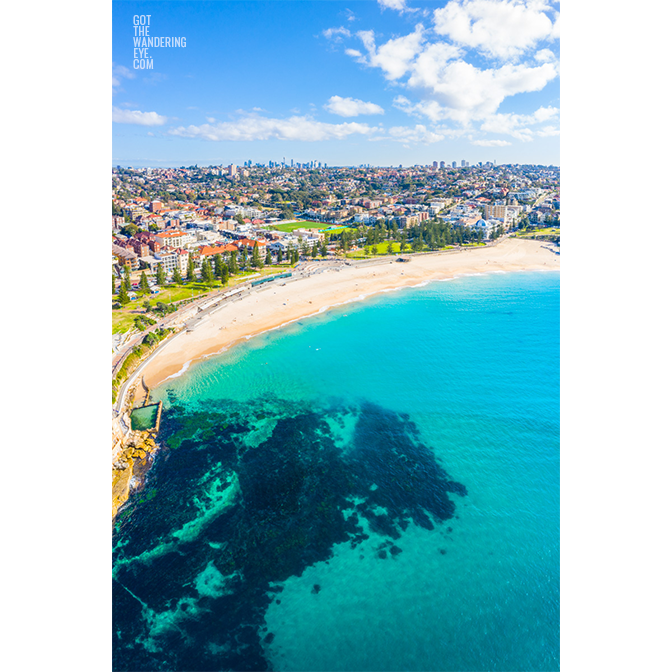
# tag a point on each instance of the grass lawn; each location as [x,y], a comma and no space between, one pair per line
[338,231]
[382,250]
[549,231]
[122,318]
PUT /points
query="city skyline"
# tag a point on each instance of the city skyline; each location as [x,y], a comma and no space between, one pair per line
[385,83]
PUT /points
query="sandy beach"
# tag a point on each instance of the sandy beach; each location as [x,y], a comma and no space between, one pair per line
[273,305]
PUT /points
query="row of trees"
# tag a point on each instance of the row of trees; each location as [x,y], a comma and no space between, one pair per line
[434,234]
[219,269]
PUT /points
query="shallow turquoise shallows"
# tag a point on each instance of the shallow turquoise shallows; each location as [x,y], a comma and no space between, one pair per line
[427,419]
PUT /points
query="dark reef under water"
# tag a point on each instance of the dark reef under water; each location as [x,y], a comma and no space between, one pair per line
[244,496]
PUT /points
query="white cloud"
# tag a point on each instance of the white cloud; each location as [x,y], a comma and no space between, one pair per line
[465,92]
[137,117]
[490,143]
[337,34]
[253,127]
[351,107]
[398,5]
[545,56]
[448,86]
[425,108]
[497,28]
[517,125]
[118,73]
[555,33]
[548,131]
[417,134]
[443,84]
[544,114]
[395,56]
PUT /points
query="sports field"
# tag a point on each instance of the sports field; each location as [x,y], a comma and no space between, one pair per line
[292,226]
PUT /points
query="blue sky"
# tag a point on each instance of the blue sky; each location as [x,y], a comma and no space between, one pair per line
[384,82]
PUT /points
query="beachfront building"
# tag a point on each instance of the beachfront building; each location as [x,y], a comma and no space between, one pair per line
[249,244]
[513,212]
[174,238]
[498,211]
[407,222]
[487,226]
[168,259]
[277,245]
[211,251]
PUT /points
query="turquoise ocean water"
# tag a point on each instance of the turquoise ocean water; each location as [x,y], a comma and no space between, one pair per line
[372,488]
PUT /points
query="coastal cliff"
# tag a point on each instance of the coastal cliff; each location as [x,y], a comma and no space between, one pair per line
[131,451]
[131,461]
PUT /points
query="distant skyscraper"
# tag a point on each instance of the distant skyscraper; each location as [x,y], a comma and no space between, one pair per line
[232,169]
[435,165]
[454,164]
[442,165]
[464,163]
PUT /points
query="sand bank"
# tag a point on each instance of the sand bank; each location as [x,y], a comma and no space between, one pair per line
[274,305]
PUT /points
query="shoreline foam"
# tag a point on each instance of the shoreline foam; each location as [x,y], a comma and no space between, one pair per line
[276,306]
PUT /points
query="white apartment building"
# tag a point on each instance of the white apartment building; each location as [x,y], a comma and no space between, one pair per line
[173,238]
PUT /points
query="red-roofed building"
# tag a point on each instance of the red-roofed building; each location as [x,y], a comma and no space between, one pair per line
[247,242]
[212,250]
[174,238]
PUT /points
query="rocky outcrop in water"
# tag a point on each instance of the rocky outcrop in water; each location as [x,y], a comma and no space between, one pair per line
[131,460]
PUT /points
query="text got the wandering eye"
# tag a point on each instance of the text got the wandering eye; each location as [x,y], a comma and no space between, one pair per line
[142,41]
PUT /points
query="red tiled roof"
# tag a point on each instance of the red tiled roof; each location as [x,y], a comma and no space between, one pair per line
[210,251]
[170,234]
[250,243]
